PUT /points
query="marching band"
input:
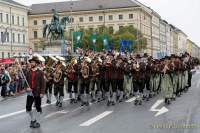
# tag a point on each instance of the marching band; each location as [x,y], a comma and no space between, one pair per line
[114,77]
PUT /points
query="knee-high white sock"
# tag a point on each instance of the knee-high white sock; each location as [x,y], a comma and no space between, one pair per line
[38,116]
[32,116]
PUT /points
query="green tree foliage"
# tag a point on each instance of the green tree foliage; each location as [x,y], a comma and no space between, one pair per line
[125,33]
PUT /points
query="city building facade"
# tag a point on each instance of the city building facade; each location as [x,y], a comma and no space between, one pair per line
[13,29]
[91,14]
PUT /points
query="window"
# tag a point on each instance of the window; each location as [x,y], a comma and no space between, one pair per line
[22,21]
[35,34]
[1,17]
[120,27]
[2,54]
[120,17]
[24,39]
[18,20]
[130,16]
[101,29]
[72,20]
[111,30]
[13,20]
[81,19]
[18,38]
[90,19]
[2,37]
[7,19]
[110,17]
[100,18]
[91,29]
[35,22]
[8,37]
[13,37]
[44,22]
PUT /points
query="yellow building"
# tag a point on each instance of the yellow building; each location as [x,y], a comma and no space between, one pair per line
[13,29]
[91,14]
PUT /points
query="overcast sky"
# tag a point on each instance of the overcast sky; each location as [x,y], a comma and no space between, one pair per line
[182,13]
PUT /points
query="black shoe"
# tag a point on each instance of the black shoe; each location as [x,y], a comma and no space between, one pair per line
[60,104]
[147,99]
[168,101]
[31,124]
[140,102]
[93,101]
[87,104]
[120,100]
[136,102]
[71,101]
[75,101]
[34,124]
[99,100]
[82,103]
[113,103]
[108,103]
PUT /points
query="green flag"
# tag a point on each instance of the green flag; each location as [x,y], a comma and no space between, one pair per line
[93,40]
[105,40]
[77,39]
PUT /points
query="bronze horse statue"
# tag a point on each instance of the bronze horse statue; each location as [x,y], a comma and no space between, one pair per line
[57,27]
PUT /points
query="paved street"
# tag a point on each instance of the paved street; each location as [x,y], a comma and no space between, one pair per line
[98,118]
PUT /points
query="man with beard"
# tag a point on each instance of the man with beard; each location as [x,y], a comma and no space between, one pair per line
[35,91]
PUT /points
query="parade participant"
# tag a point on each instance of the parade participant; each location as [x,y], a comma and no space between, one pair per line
[110,79]
[85,83]
[167,81]
[127,78]
[72,76]
[35,91]
[174,76]
[138,74]
[95,80]
[49,84]
[119,72]
[59,84]
[147,61]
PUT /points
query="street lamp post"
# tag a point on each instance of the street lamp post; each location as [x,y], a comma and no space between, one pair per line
[72,39]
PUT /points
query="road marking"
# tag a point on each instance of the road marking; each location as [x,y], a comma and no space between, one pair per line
[22,111]
[159,111]
[131,100]
[58,112]
[95,119]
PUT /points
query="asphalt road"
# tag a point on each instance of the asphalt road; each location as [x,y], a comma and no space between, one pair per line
[182,117]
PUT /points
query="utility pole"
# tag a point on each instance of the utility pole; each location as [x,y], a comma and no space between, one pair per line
[72,39]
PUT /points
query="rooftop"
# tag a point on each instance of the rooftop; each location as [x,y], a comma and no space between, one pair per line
[81,5]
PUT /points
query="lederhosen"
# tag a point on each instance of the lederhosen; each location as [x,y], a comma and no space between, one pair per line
[59,87]
[73,80]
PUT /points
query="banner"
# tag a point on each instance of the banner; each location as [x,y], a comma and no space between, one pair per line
[93,40]
[105,42]
[77,36]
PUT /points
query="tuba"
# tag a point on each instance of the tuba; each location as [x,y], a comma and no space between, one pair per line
[58,73]
[85,71]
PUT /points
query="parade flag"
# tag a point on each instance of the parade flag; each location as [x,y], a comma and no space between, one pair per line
[123,44]
[105,42]
[77,39]
[130,45]
[93,39]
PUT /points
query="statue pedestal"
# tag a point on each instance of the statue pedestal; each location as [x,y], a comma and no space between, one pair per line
[57,47]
